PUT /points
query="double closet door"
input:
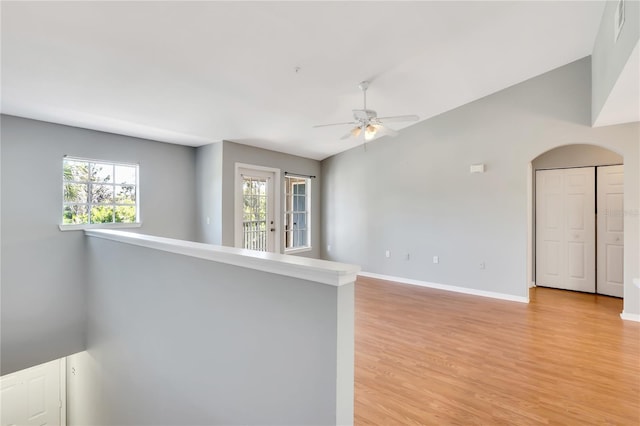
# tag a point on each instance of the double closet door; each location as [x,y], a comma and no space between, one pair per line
[579,229]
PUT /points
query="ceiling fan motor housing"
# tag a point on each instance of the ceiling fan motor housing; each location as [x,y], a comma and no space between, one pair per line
[364,114]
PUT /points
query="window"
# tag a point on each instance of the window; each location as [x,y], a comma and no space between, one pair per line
[99,192]
[297,193]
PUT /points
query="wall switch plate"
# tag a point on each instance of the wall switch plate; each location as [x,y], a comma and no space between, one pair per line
[387,254]
[436,259]
[328,247]
[482,265]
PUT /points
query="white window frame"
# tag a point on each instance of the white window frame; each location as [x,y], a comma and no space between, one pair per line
[307,196]
[111,225]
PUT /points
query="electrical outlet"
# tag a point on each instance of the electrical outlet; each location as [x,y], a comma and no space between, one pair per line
[328,247]
[482,265]
[436,259]
[208,220]
[387,254]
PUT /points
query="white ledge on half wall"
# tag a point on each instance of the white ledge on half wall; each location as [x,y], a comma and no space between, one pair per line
[321,271]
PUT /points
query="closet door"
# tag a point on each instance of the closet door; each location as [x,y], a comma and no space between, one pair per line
[610,230]
[565,229]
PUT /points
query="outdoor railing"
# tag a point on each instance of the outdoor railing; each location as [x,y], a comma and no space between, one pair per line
[255,235]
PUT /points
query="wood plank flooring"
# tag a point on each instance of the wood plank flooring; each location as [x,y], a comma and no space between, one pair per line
[431,357]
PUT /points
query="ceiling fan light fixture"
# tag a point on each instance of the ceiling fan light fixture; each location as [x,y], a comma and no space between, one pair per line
[370,132]
[356,131]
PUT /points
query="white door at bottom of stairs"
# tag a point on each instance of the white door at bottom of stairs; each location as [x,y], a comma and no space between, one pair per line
[32,397]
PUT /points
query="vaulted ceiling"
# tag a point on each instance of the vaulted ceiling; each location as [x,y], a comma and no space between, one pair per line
[262,73]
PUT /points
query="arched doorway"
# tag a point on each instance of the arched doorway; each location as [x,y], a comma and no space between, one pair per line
[576,223]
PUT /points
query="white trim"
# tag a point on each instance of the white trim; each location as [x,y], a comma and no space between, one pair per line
[446,287]
[63,391]
[83,226]
[321,271]
[630,317]
[298,250]
[237,190]
[307,211]
[97,160]
[530,237]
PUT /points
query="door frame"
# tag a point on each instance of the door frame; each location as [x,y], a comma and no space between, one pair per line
[529,281]
[237,196]
[63,391]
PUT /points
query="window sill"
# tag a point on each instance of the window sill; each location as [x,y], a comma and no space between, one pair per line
[82,227]
[297,250]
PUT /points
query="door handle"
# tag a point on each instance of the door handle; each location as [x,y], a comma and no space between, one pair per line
[272,229]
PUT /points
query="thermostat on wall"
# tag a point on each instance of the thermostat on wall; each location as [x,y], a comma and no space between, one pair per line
[476,168]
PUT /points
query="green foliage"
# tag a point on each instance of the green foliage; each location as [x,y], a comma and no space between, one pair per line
[125,214]
[254,200]
[75,214]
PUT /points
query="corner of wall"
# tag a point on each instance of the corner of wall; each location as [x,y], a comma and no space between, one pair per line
[610,53]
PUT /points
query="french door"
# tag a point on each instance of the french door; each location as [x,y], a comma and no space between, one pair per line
[256,217]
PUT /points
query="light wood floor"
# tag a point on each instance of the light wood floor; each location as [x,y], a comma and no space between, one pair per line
[432,357]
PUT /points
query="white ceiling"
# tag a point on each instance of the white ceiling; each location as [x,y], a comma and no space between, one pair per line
[198,72]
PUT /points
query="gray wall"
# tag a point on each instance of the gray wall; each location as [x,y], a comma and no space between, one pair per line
[610,56]
[43,268]
[212,168]
[201,343]
[414,193]
[578,155]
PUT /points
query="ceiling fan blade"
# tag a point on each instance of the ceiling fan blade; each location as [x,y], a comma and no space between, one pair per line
[347,136]
[399,118]
[335,124]
[355,132]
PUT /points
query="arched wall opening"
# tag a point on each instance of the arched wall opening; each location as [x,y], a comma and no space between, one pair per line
[571,156]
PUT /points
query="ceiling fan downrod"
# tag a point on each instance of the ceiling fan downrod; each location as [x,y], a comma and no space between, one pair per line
[364,85]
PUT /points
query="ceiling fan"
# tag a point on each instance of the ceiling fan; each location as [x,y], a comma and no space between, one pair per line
[367,121]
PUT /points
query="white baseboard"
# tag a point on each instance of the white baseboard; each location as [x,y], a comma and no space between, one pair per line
[630,317]
[456,289]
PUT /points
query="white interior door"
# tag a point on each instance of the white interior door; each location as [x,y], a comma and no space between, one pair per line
[611,230]
[256,219]
[565,229]
[32,397]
